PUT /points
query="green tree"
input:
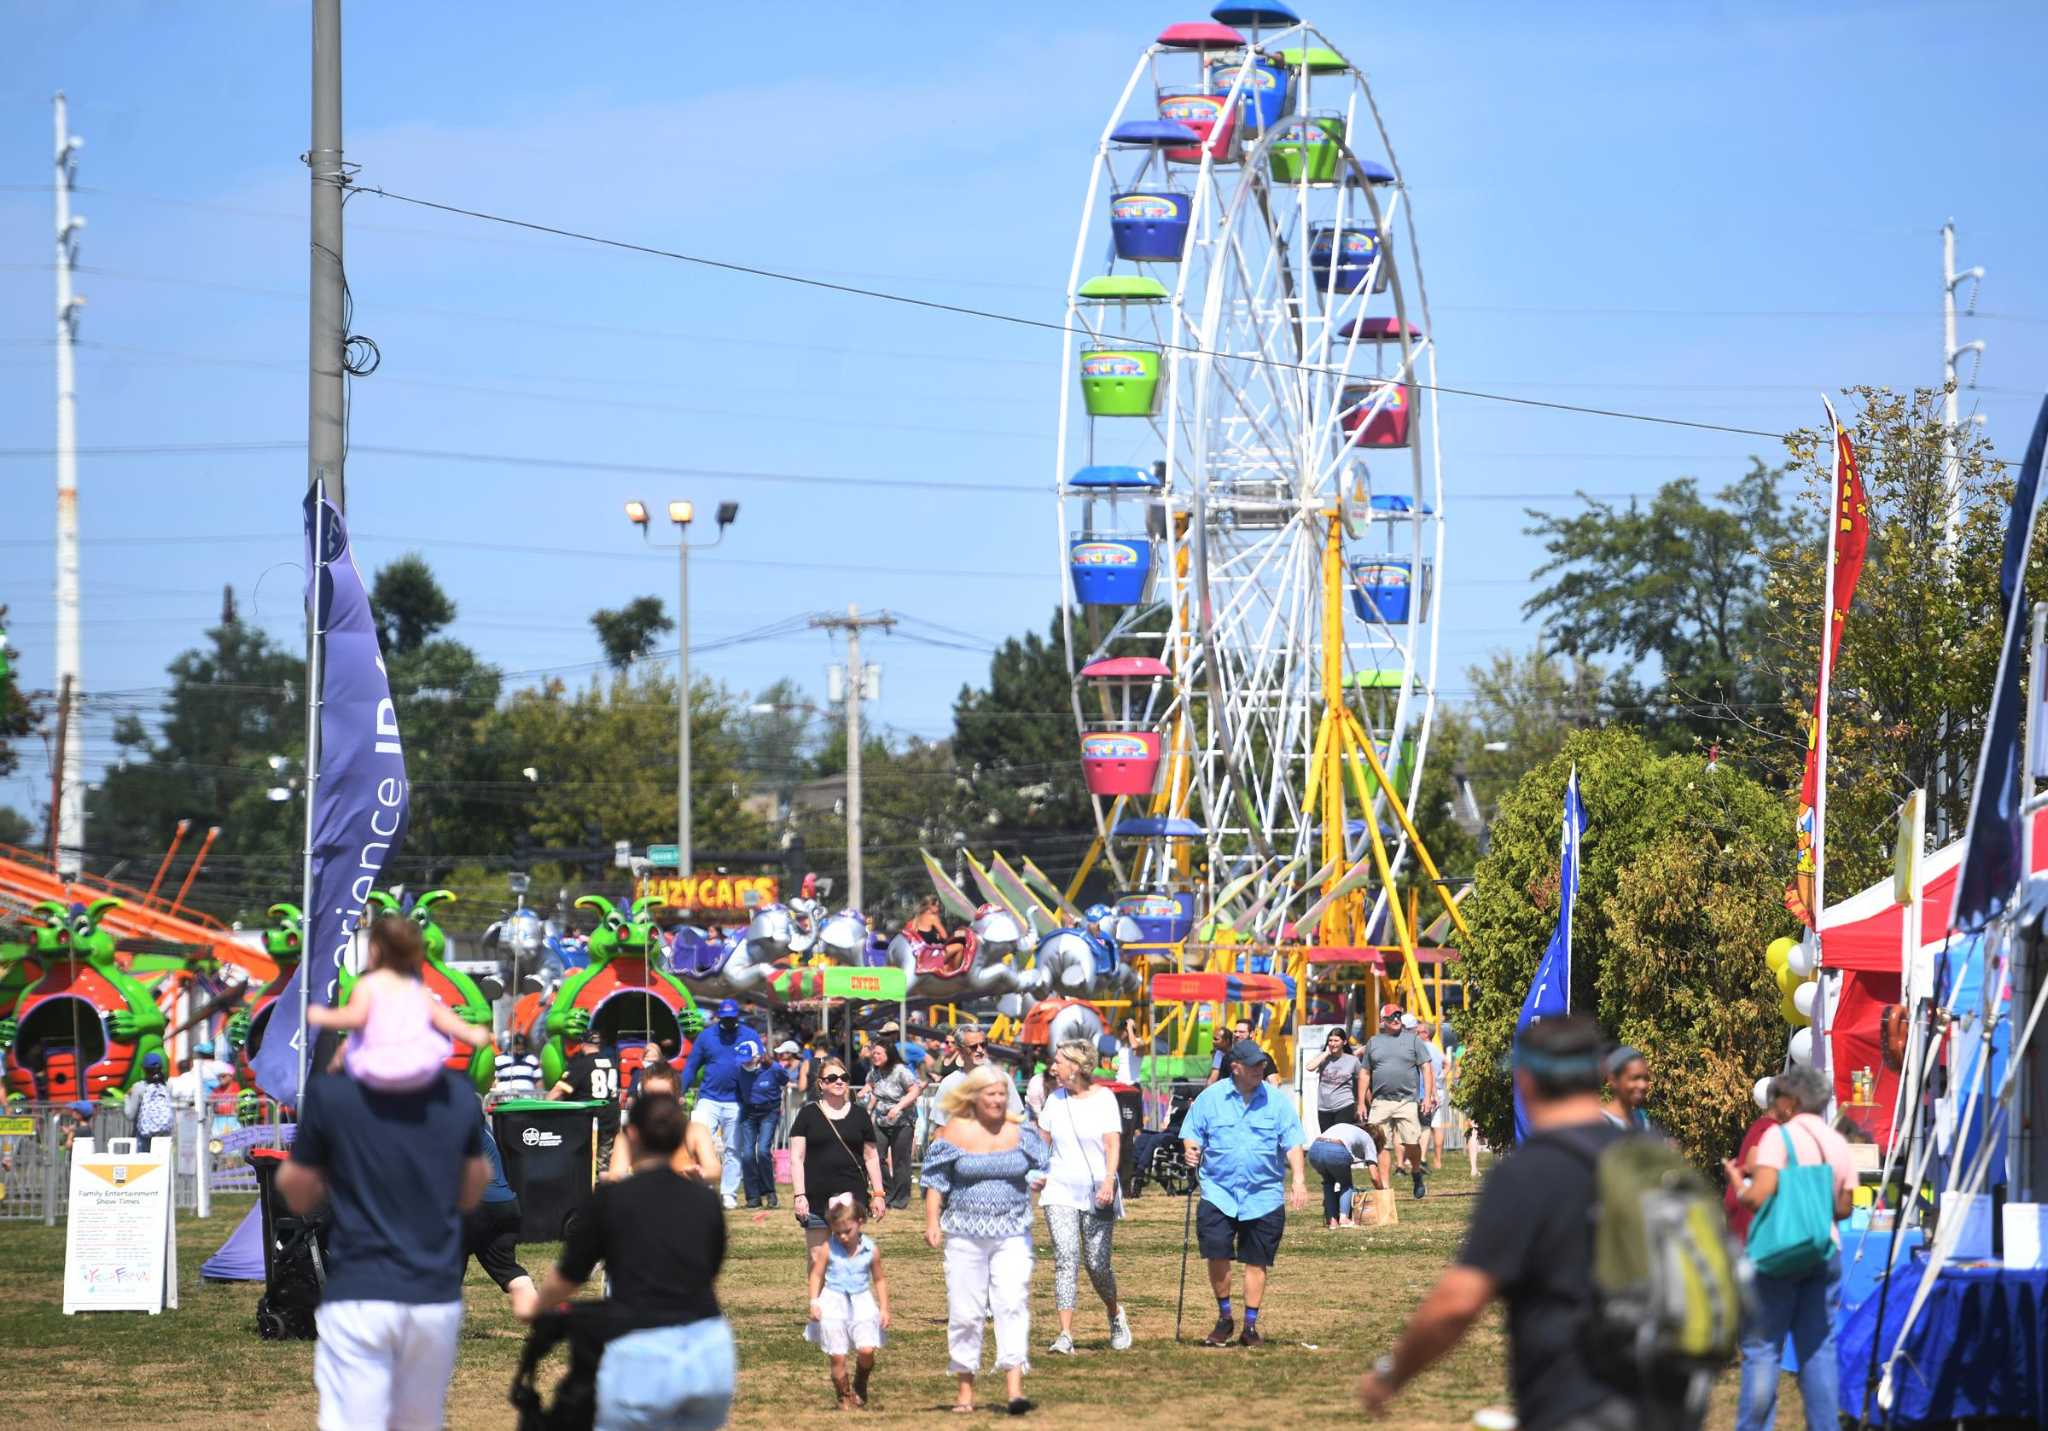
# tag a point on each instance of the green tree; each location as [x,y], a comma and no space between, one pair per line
[16,719]
[628,633]
[1522,710]
[15,827]
[604,763]
[1680,889]
[408,604]
[778,737]
[910,800]
[1680,581]
[1920,648]
[232,704]
[441,690]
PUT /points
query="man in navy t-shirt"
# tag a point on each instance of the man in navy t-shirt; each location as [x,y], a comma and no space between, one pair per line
[398,1171]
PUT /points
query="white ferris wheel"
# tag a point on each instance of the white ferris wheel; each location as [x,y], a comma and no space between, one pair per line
[1247,423]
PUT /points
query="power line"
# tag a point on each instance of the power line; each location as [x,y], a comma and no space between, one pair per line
[1019,320]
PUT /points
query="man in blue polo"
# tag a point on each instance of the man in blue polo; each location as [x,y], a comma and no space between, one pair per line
[721,1053]
[1244,1136]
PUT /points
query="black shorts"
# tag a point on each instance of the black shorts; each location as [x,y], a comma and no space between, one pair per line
[1254,1241]
[490,1234]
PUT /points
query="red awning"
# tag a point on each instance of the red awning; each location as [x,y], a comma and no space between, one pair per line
[1221,988]
[1331,954]
[1864,930]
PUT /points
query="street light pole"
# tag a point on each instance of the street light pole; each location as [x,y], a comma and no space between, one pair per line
[682,514]
[684,863]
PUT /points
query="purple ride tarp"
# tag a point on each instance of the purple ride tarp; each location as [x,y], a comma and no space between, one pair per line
[360,796]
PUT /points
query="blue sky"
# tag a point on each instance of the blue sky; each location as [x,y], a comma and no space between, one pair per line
[1710,217]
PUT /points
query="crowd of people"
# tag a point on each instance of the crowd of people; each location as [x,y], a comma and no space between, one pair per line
[416,1186]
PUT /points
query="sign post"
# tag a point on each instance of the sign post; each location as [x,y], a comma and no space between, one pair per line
[120,1244]
[667,856]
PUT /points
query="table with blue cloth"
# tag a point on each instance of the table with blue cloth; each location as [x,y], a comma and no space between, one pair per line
[1979,1348]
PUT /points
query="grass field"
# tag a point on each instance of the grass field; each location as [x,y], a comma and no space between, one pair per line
[1336,1301]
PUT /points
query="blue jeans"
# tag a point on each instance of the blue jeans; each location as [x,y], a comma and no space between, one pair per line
[1805,1308]
[668,1379]
[1334,1163]
[725,1117]
[755,1148]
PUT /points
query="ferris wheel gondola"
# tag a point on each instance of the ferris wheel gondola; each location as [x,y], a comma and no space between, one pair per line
[1251,503]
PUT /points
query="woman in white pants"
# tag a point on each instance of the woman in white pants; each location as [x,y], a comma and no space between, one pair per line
[977,1205]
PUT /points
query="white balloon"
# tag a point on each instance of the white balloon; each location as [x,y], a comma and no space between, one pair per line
[1762,1093]
[1800,1049]
[1800,960]
[1804,997]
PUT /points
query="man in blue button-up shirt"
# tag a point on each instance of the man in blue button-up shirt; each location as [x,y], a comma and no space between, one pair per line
[1243,1135]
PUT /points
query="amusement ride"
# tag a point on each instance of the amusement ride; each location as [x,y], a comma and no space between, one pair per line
[1251,537]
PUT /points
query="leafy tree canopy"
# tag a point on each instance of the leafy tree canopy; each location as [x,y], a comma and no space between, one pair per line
[408,605]
[628,634]
[1679,893]
[1679,581]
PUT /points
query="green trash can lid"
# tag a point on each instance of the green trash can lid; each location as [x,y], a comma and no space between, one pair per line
[538,1105]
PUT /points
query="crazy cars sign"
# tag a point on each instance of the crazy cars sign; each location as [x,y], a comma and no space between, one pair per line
[713,895]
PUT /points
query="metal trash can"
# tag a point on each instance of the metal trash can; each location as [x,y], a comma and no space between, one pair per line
[550,1155]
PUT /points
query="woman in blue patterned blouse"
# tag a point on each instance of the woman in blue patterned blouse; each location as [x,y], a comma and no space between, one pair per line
[978,1172]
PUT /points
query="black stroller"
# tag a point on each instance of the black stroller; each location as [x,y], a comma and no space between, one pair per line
[294,1258]
[1157,1154]
[585,1326]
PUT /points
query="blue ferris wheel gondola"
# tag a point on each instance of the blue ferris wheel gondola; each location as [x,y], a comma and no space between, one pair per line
[1157,827]
[1153,133]
[1256,17]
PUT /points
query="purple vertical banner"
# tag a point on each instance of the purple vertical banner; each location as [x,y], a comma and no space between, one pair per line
[360,795]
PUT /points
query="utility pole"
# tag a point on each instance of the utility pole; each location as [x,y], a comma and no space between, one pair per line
[67,801]
[1951,464]
[853,623]
[326,334]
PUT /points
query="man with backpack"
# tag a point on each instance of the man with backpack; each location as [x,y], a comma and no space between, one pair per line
[1576,1232]
[150,1107]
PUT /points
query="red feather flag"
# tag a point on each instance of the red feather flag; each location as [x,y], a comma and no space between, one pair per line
[1848,540]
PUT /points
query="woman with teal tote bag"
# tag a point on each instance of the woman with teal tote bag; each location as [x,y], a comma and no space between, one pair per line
[1799,1181]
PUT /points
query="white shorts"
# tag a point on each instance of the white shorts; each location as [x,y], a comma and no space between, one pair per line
[850,1322]
[385,1363]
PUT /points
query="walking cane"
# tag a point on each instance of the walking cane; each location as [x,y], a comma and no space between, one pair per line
[1186,1221]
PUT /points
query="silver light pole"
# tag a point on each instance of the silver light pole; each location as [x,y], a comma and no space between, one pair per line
[682,514]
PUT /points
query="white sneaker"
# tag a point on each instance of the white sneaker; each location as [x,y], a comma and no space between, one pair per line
[1120,1331]
[731,1202]
[1062,1345]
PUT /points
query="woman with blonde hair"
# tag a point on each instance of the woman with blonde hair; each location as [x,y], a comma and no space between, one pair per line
[977,1206]
[1081,1199]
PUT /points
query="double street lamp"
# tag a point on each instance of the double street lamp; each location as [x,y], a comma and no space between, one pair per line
[682,514]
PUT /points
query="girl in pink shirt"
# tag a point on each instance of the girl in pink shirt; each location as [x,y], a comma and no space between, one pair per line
[400,1035]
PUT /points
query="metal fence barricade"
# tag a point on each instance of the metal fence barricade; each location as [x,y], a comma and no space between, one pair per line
[33,1165]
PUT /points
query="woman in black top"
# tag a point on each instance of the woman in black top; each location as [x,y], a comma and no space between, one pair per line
[832,1155]
[661,1236]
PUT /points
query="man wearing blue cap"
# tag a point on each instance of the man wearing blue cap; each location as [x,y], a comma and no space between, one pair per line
[1244,1137]
[720,1054]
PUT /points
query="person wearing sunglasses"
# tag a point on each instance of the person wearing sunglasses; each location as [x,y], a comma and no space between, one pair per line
[833,1156]
[973,1044]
